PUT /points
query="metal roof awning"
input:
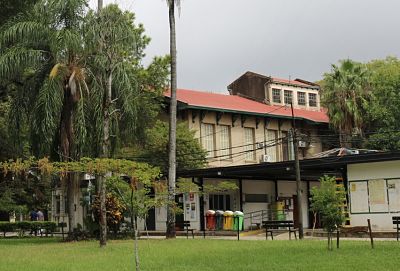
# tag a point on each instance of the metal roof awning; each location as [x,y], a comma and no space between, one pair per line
[311,169]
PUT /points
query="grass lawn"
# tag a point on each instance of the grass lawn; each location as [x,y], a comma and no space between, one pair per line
[181,254]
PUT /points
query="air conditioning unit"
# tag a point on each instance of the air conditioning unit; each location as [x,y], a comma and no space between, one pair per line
[265,158]
[302,144]
[260,145]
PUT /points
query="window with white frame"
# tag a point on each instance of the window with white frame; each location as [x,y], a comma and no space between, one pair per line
[288,95]
[272,146]
[250,154]
[312,99]
[276,95]
[225,142]
[207,138]
[301,98]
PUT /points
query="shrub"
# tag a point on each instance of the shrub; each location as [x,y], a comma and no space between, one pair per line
[7,227]
[23,226]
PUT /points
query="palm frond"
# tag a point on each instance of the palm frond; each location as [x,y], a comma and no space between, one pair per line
[16,59]
[47,110]
[24,32]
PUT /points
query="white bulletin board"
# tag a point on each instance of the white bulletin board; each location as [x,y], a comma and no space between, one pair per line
[393,187]
[359,197]
[377,196]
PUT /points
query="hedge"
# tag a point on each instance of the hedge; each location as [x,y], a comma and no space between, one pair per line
[23,226]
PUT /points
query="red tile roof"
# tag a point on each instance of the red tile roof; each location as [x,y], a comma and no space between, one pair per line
[239,104]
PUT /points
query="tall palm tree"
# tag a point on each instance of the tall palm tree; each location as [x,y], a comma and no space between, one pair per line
[345,92]
[171,233]
[46,44]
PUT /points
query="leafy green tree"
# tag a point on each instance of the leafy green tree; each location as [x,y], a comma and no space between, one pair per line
[20,193]
[46,47]
[345,93]
[117,95]
[189,152]
[11,8]
[327,201]
[384,108]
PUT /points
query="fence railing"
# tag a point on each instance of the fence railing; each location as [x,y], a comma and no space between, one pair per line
[257,217]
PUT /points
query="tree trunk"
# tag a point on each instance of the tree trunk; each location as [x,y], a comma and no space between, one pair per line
[99,5]
[344,138]
[66,150]
[105,153]
[72,190]
[103,211]
[171,233]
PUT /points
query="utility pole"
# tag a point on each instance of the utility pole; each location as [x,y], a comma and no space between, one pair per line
[298,179]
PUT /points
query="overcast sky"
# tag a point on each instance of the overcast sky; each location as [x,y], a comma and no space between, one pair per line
[218,40]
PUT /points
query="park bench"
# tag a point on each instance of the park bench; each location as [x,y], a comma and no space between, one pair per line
[272,226]
[186,226]
[396,221]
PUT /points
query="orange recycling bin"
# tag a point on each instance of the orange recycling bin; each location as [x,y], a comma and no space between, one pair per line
[210,220]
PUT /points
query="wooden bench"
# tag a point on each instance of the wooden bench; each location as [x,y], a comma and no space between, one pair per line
[396,221]
[186,226]
[277,225]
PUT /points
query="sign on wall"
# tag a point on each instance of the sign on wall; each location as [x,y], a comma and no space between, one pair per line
[190,206]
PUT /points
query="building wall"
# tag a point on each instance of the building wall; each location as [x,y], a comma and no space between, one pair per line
[287,189]
[249,85]
[358,173]
[59,210]
[295,90]
[191,212]
[237,157]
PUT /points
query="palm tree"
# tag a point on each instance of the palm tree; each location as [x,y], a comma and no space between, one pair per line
[46,46]
[344,93]
[171,233]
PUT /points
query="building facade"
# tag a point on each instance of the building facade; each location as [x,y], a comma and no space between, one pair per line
[254,122]
[251,125]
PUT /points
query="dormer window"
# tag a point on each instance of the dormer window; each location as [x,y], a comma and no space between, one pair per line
[276,95]
[312,99]
[301,98]
[288,95]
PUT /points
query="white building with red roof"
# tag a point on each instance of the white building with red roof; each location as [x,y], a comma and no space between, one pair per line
[253,122]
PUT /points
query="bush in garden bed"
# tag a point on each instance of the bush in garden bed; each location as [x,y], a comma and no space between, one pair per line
[23,226]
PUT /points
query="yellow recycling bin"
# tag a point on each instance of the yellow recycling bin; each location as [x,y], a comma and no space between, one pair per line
[228,220]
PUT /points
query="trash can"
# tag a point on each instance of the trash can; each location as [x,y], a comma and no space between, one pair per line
[228,220]
[219,220]
[280,212]
[238,217]
[210,220]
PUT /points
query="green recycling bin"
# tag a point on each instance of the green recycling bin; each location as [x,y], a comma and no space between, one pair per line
[219,220]
[238,217]
[280,215]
